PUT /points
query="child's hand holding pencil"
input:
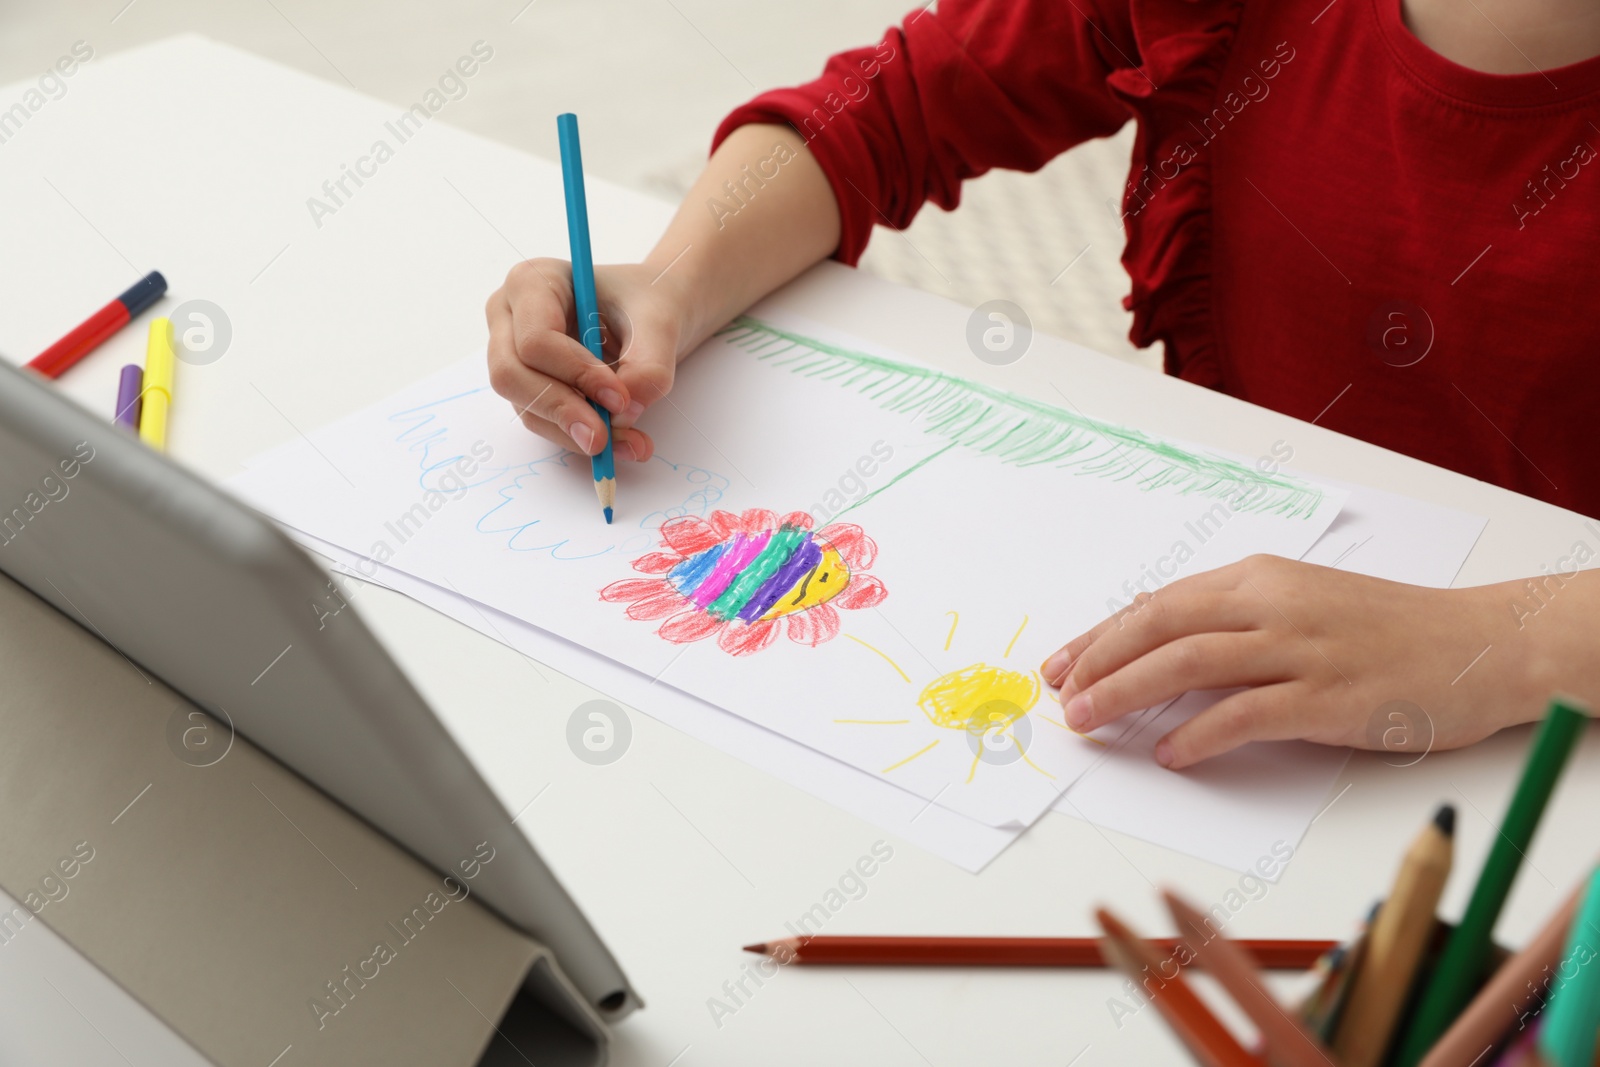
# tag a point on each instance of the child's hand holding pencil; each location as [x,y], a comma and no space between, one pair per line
[537,363]
[705,270]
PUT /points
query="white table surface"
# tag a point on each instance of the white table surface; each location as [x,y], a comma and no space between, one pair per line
[197,160]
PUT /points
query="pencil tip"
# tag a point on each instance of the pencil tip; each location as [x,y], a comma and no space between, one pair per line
[608,516]
[1183,912]
[760,948]
[1445,820]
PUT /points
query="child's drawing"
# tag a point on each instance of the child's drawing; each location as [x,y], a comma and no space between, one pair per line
[985,702]
[520,515]
[742,577]
[1021,432]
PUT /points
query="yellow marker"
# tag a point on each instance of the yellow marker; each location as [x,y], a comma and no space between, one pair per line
[157,399]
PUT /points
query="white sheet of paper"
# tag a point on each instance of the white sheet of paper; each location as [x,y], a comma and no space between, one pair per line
[965,842]
[1230,813]
[917,664]
[1231,810]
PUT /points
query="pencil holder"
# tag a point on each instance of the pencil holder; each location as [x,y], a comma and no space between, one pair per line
[1321,1007]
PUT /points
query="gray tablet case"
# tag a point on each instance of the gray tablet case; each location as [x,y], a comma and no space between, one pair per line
[166,648]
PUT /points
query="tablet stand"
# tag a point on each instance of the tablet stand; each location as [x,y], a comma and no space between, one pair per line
[255,916]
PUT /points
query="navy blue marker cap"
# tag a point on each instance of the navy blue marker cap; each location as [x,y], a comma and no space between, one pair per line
[144,292]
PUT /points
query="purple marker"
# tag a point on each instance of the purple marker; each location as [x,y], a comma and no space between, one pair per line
[130,393]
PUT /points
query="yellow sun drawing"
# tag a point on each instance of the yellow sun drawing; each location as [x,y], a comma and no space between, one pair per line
[983,701]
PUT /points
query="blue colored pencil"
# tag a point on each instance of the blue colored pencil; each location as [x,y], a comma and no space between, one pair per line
[588,306]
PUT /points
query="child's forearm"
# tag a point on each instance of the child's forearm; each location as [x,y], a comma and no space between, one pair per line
[760,213]
[1549,634]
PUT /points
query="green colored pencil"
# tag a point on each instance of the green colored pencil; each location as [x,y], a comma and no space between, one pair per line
[1461,967]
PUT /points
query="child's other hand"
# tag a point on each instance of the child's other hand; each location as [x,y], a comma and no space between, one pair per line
[1321,650]
[535,362]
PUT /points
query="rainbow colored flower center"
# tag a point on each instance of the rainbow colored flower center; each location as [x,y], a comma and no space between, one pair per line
[761,576]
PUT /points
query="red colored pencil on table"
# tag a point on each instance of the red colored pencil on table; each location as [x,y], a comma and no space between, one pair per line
[1005,951]
[93,331]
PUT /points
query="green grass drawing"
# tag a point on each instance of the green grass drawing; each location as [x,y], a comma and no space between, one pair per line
[1023,432]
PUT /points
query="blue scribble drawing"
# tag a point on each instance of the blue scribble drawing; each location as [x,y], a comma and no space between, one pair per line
[519,515]
[709,489]
[439,462]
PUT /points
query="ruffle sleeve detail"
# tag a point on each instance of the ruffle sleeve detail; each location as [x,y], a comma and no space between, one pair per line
[1181,49]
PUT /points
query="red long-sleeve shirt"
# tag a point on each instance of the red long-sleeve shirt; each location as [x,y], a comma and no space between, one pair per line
[1323,215]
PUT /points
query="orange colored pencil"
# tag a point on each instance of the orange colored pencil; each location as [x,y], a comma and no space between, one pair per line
[1210,1042]
[1286,1039]
[1005,951]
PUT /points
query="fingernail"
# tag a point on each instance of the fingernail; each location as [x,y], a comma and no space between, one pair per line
[1079,710]
[623,450]
[635,409]
[582,436]
[1164,754]
[1054,666]
[611,399]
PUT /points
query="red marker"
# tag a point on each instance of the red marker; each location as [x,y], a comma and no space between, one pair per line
[94,330]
